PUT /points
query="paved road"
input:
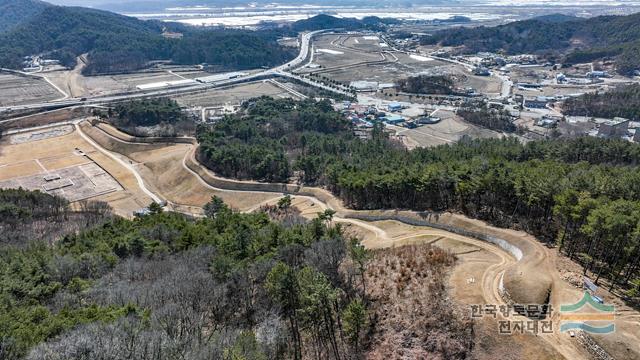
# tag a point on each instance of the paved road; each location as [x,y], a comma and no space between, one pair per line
[281,71]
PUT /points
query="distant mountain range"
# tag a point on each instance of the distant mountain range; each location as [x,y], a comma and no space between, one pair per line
[575,39]
[117,43]
[128,6]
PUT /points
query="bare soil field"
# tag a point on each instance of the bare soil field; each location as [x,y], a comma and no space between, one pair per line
[232,95]
[466,288]
[420,64]
[190,74]
[76,84]
[383,73]
[109,84]
[362,43]
[161,167]
[449,130]
[74,169]
[19,90]
[41,134]
[487,85]
[532,74]
[329,53]
[70,80]
[553,90]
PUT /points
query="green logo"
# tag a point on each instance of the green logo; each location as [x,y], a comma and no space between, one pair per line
[572,318]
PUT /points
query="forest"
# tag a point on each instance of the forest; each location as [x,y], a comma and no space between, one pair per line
[324,21]
[147,112]
[34,216]
[426,84]
[117,43]
[555,36]
[13,12]
[268,134]
[265,285]
[481,115]
[620,102]
[159,117]
[558,190]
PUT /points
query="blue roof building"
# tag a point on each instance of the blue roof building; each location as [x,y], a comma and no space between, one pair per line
[393,119]
[394,106]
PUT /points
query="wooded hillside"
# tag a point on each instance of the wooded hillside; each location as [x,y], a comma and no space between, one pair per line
[14,12]
[598,37]
[536,187]
[268,136]
[265,285]
[117,43]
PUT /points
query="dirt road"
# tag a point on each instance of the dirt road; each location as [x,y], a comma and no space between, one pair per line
[522,265]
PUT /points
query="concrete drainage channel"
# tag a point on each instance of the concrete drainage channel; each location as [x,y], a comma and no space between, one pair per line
[195,165]
[501,243]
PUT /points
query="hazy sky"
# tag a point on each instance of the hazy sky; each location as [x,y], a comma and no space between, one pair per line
[134,5]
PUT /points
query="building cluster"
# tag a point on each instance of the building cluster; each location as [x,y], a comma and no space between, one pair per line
[492,60]
[370,86]
[364,117]
[617,128]
[590,78]
[36,63]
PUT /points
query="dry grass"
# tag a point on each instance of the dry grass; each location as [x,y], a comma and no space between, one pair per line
[44,118]
[412,315]
[34,157]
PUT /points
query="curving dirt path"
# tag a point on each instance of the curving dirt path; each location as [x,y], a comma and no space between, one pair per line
[522,262]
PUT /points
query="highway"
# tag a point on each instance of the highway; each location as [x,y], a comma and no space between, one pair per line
[279,71]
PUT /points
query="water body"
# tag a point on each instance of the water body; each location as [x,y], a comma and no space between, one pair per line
[251,16]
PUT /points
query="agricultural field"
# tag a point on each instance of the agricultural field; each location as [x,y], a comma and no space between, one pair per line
[19,90]
[347,58]
[102,85]
[232,95]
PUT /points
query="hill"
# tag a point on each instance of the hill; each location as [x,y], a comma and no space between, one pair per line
[14,12]
[324,21]
[564,190]
[556,18]
[578,40]
[117,43]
